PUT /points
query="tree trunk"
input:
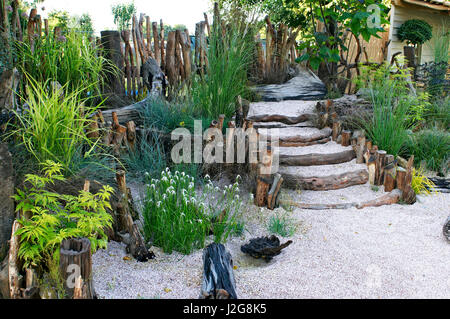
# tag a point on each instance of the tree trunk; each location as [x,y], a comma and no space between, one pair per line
[75,262]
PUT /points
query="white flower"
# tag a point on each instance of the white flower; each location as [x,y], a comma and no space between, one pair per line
[236,197]
[158,204]
[207,176]
[191,185]
[216,189]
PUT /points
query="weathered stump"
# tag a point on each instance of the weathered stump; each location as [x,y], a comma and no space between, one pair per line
[6,201]
[218,277]
[75,264]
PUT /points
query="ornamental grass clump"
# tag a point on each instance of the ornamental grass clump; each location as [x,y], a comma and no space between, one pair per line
[177,218]
[173,218]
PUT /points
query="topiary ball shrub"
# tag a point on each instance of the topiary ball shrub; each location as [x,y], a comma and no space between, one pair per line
[415,31]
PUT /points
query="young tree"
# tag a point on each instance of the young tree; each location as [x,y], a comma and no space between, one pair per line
[123,13]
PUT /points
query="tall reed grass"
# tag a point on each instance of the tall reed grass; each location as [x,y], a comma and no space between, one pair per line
[229,56]
[71,60]
[53,126]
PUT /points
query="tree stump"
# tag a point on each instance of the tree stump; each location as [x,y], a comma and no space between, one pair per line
[218,277]
[75,262]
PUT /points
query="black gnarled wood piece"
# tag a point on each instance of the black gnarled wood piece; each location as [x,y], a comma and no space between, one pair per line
[264,247]
[218,277]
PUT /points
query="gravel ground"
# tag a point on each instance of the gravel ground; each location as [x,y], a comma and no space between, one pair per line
[395,251]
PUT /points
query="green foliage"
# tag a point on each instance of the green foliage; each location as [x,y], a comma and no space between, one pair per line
[53,128]
[48,218]
[421,184]
[123,13]
[338,16]
[84,23]
[173,218]
[281,225]
[438,114]
[394,110]
[60,19]
[415,32]
[431,146]
[149,156]
[176,218]
[440,43]
[229,57]
[225,207]
[70,60]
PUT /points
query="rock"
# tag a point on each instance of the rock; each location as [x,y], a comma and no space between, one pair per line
[305,86]
[6,201]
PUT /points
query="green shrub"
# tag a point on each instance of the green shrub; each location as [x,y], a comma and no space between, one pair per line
[229,57]
[48,218]
[53,127]
[281,225]
[415,31]
[431,146]
[438,114]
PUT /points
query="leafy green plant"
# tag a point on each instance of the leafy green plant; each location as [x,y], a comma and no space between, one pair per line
[281,225]
[421,184]
[123,13]
[229,57]
[53,127]
[431,146]
[48,218]
[415,32]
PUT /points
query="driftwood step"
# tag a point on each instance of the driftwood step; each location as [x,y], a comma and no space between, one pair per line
[302,135]
[276,124]
[324,177]
[320,154]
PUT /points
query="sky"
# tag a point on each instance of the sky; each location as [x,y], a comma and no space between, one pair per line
[187,12]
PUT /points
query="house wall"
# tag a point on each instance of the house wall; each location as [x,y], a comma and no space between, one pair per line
[401,14]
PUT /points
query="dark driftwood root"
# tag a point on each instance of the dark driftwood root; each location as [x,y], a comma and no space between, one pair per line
[264,247]
[327,182]
[218,277]
[317,159]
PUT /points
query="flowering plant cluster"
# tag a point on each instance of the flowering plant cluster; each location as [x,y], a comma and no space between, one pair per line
[177,218]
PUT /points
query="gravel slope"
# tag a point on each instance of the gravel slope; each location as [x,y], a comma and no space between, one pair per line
[393,251]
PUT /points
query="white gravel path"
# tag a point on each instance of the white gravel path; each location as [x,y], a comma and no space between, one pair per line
[393,251]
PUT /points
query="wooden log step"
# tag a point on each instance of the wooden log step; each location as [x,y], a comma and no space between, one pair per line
[321,181]
[315,158]
[295,134]
[300,144]
[387,199]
